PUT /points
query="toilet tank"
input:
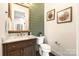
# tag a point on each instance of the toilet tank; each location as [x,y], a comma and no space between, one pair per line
[40,40]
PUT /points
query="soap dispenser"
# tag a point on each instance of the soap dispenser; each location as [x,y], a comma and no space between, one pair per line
[29,33]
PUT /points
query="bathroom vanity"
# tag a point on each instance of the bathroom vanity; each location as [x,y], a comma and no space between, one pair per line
[18,23]
[20,47]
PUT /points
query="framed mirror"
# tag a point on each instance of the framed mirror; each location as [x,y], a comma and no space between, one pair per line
[18,17]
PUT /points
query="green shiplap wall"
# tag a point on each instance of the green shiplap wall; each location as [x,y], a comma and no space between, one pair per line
[37,18]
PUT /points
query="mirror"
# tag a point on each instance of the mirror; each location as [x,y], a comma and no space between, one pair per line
[18,17]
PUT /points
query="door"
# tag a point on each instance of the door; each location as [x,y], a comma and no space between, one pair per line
[14,53]
[29,51]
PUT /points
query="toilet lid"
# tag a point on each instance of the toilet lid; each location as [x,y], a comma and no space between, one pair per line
[45,46]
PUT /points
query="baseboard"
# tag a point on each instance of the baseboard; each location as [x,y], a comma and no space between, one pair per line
[56,53]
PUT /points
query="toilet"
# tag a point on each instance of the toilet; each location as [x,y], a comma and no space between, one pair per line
[44,49]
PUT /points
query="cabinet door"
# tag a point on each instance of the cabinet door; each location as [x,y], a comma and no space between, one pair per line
[29,51]
[14,53]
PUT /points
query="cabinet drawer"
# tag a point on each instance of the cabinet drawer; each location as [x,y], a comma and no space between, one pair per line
[13,46]
[20,44]
[28,42]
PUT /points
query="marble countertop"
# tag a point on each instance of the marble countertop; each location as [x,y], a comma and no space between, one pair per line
[14,39]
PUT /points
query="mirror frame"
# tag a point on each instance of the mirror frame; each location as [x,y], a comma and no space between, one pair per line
[10,17]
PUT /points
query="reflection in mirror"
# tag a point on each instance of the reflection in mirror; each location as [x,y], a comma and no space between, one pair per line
[19,27]
[19,16]
[19,22]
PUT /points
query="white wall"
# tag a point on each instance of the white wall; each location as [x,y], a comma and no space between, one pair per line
[64,33]
[77,29]
[3,18]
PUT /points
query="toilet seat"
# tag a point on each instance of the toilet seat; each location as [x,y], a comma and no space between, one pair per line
[45,47]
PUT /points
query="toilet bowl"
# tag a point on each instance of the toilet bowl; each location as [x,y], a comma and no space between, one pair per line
[44,49]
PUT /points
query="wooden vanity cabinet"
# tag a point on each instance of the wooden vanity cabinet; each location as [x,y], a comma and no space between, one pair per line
[20,48]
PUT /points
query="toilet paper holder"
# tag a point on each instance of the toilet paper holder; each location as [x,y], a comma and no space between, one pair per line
[56,42]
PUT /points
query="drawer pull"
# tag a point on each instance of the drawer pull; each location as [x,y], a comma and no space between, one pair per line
[13,46]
